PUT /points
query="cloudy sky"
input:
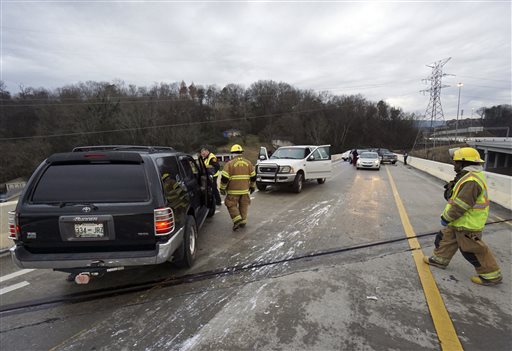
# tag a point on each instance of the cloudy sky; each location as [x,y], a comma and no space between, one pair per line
[377,49]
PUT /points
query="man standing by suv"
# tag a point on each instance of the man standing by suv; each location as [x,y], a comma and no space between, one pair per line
[238,181]
[213,167]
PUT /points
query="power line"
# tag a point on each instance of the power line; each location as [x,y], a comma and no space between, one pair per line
[164,125]
[481,78]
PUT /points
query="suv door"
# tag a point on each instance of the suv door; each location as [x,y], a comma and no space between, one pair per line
[82,205]
[176,196]
[319,163]
[192,181]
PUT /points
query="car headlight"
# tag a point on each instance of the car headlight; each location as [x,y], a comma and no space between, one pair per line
[376,162]
[285,169]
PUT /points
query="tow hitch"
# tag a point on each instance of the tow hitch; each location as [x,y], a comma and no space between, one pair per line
[83,276]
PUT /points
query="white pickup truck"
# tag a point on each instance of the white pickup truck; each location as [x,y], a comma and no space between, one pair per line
[292,165]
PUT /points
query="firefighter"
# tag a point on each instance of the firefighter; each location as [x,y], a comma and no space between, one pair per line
[464,219]
[213,168]
[237,182]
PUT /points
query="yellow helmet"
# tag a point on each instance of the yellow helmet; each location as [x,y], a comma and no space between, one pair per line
[467,154]
[236,149]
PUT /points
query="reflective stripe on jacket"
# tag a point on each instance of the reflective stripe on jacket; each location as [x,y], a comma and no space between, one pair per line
[474,210]
[238,176]
[213,160]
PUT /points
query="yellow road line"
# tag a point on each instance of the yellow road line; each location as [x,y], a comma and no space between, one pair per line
[442,322]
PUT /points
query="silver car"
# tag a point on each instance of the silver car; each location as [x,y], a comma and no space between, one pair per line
[369,160]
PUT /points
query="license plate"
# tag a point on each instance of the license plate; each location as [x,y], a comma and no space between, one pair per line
[89,230]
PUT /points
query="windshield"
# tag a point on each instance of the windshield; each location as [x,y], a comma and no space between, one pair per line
[295,153]
[369,155]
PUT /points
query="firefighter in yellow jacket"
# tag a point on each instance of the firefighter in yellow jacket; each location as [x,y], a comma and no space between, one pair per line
[464,219]
[237,182]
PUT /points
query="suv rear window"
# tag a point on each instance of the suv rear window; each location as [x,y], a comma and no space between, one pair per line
[92,183]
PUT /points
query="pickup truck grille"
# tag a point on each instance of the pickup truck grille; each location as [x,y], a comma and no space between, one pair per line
[267,169]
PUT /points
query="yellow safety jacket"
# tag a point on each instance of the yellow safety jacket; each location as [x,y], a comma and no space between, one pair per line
[475,216]
[211,157]
[238,176]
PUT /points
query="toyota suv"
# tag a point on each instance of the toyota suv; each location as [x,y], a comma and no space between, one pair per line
[102,208]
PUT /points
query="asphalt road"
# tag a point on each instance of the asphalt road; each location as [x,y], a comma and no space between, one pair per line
[367,297]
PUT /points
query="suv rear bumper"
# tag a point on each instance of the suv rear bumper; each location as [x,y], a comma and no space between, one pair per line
[163,252]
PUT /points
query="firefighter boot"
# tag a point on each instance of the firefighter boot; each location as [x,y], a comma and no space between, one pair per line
[237,224]
[435,261]
[487,279]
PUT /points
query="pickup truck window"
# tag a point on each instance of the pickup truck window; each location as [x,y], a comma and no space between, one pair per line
[92,183]
[289,153]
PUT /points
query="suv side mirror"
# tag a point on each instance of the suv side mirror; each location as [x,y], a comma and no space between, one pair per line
[311,158]
[262,157]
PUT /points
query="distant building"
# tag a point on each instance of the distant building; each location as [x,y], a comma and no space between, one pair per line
[231,133]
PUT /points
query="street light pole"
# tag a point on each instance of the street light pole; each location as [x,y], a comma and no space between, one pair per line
[457,121]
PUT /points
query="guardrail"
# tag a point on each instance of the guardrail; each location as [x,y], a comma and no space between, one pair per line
[499,185]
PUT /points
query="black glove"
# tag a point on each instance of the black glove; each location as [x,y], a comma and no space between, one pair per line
[448,190]
[222,191]
[251,190]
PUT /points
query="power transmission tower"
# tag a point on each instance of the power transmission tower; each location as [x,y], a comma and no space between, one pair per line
[435,109]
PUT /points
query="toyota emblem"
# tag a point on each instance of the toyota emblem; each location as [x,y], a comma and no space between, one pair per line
[86,209]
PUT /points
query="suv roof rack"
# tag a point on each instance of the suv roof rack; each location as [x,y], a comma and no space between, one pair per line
[149,149]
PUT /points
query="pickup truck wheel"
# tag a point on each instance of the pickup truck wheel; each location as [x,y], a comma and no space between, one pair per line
[261,186]
[320,180]
[393,162]
[297,183]
[186,253]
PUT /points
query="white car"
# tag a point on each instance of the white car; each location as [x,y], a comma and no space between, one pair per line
[292,165]
[369,160]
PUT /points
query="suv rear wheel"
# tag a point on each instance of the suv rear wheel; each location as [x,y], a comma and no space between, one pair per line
[186,253]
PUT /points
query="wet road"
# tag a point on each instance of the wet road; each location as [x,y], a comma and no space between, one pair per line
[368,298]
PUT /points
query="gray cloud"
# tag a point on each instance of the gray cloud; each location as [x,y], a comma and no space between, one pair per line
[376,49]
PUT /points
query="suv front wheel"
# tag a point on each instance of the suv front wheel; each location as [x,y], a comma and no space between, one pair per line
[186,253]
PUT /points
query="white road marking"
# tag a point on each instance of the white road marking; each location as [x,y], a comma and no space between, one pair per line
[13,287]
[15,274]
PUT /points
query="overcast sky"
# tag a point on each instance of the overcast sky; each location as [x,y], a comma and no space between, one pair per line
[379,50]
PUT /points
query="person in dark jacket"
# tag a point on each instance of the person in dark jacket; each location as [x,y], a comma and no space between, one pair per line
[213,168]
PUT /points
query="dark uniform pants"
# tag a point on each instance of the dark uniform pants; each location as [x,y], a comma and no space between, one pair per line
[238,206]
[471,246]
[215,188]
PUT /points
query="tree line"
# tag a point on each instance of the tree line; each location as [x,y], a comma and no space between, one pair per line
[36,122]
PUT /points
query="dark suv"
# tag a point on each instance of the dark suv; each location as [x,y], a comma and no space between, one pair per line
[387,156]
[101,208]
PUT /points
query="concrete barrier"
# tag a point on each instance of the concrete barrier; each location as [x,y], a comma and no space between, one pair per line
[5,207]
[500,186]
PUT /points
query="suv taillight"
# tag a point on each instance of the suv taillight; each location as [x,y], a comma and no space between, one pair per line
[164,221]
[14,228]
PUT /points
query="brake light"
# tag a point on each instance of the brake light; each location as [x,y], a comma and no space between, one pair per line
[164,221]
[94,155]
[14,228]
